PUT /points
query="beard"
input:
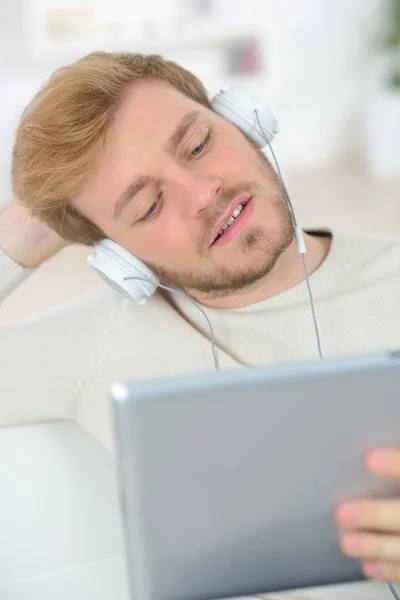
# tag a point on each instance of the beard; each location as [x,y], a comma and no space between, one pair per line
[263,246]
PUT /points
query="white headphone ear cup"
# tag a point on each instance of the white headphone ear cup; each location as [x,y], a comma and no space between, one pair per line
[249,116]
[114,264]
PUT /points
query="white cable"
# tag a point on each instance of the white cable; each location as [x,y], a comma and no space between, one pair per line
[393,590]
[164,287]
[301,245]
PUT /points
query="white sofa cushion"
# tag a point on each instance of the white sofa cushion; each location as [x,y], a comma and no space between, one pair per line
[59,516]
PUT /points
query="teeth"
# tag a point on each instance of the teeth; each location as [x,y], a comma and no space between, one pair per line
[235,214]
[237,211]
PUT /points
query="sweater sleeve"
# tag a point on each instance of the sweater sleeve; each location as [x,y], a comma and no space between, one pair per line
[11,275]
[46,360]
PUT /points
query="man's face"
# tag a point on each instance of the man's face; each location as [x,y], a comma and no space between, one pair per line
[170,175]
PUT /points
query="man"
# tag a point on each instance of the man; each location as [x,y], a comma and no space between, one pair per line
[127,147]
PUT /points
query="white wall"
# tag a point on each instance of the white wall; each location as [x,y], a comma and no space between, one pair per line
[320,58]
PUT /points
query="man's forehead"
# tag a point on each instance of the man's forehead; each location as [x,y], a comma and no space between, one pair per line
[156,102]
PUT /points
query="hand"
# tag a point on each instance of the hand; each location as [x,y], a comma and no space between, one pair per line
[25,239]
[371,528]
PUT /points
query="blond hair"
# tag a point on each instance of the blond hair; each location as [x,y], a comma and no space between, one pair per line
[63,128]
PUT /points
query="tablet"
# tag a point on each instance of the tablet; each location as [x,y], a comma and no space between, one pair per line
[229,481]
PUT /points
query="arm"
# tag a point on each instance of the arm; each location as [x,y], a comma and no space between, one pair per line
[46,362]
[24,245]
[43,359]
[11,275]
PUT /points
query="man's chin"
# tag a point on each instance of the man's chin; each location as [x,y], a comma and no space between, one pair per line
[254,260]
[227,280]
[232,269]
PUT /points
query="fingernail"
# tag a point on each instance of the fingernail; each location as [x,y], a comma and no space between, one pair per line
[351,543]
[348,513]
[373,570]
[379,461]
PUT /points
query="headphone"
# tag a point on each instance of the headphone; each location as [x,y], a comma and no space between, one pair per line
[125,272]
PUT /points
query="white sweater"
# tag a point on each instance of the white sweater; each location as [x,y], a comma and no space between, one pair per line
[61,363]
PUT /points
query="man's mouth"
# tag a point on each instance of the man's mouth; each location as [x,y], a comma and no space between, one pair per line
[230,220]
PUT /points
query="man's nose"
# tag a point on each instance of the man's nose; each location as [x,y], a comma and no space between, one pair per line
[200,193]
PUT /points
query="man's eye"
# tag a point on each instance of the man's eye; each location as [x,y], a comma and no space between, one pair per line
[152,208]
[198,150]
[202,146]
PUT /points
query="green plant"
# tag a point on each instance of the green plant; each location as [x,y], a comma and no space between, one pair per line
[391,41]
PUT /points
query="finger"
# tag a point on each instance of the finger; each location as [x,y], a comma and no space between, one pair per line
[371,546]
[384,571]
[381,515]
[384,462]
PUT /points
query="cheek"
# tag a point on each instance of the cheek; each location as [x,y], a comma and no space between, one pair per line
[169,240]
[236,159]
[159,243]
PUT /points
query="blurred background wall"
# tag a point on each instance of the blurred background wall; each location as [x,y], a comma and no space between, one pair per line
[329,69]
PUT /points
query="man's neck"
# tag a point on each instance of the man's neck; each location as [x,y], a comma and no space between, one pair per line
[287,272]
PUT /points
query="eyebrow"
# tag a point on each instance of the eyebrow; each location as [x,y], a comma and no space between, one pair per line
[129,194]
[170,147]
[180,131]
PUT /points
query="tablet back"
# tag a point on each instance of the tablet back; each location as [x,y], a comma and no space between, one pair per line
[230,481]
